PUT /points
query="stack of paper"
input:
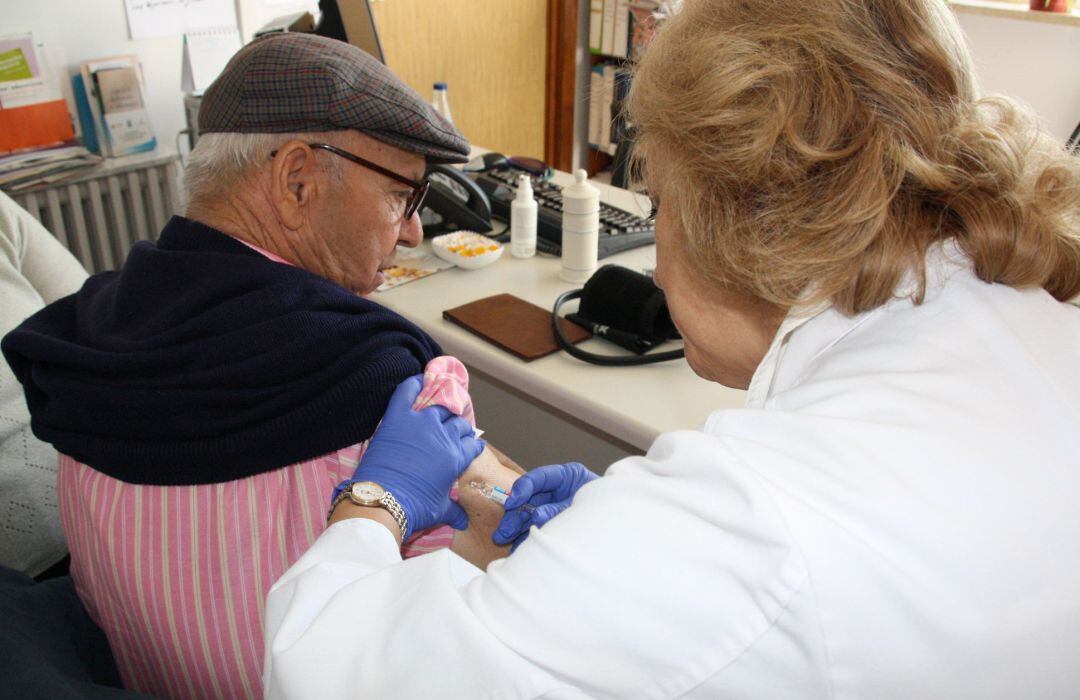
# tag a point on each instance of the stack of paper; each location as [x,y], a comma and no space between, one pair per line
[20,171]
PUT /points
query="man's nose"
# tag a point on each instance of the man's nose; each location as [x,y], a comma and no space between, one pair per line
[412,232]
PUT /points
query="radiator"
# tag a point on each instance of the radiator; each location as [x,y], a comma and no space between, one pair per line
[99,217]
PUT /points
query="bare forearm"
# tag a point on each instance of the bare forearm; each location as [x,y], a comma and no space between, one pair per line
[474,544]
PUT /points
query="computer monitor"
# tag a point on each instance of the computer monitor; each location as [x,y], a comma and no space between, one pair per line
[350,21]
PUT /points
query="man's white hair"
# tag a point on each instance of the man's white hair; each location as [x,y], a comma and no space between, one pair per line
[222,161]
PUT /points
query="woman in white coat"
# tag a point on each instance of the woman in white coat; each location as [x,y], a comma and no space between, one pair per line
[881,258]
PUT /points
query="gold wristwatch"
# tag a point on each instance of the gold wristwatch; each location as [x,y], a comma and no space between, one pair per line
[370,494]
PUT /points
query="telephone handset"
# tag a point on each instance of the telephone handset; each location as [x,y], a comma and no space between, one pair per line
[453,203]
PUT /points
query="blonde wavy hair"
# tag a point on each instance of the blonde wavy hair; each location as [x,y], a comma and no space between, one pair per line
[813,150]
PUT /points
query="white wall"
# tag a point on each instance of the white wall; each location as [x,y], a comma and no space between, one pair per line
[1035,62]
[87,29]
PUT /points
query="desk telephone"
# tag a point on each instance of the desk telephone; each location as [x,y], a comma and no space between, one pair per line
[468,201]
[453,203]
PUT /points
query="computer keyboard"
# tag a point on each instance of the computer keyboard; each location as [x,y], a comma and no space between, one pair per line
[619,229]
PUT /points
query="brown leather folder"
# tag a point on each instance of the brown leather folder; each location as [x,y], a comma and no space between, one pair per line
[513,324]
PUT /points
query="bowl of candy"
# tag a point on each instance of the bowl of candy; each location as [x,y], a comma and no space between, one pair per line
[467,249]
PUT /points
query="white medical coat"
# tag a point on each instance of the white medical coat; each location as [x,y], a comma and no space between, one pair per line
[894,514]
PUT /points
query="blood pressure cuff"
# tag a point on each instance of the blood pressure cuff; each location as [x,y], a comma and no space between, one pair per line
[625,307]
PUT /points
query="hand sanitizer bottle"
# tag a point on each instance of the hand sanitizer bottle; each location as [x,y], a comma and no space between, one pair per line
[523,220]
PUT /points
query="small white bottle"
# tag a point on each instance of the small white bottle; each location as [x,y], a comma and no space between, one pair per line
[441,102]
[523,214]
[580,230]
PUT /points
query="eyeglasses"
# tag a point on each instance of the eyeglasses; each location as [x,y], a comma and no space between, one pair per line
[419,189]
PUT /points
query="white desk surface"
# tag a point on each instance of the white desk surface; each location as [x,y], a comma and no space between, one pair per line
[632,404]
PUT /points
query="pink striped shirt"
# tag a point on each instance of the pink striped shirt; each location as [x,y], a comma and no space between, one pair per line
[176,576]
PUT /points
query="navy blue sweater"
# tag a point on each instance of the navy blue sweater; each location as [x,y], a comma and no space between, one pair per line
[202,361]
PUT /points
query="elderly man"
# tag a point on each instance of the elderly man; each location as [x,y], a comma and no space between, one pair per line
[207,397]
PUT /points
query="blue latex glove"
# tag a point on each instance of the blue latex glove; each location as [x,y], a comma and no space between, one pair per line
[417,455]
[547,491]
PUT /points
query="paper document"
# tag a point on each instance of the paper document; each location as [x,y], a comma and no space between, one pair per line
[206,51]
[130,132]
[23,80]
[153,18]
[209,13]
[412,264]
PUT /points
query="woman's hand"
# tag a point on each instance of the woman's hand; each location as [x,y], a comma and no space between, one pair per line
[537,497]
[417,455]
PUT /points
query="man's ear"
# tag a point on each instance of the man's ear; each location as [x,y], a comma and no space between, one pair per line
[293,185]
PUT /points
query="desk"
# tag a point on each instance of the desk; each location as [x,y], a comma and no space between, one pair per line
[558,408]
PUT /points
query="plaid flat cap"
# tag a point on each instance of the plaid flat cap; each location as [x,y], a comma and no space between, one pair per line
[295,82]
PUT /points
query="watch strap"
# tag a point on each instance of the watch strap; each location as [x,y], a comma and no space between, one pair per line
[340,494]
[391,504]
[335,497]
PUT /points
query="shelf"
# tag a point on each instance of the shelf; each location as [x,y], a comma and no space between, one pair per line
[1014,10]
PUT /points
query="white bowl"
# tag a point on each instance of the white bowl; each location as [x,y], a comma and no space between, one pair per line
[467,249]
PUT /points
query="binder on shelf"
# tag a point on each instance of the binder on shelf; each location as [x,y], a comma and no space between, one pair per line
[606,113]
[618,103]
[86,117]
[95,124]
[206,51]
[596,101]
[610,27]
[596,26]
[623,28]
[607,37]
[621,37]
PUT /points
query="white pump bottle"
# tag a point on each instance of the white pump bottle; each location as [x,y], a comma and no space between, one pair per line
[580,229]
[523,214]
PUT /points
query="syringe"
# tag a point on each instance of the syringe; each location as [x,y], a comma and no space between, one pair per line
[496,493]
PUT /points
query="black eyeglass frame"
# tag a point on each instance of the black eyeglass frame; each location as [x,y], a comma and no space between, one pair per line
[419,189]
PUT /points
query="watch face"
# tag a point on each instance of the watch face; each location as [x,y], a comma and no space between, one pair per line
[366,493]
